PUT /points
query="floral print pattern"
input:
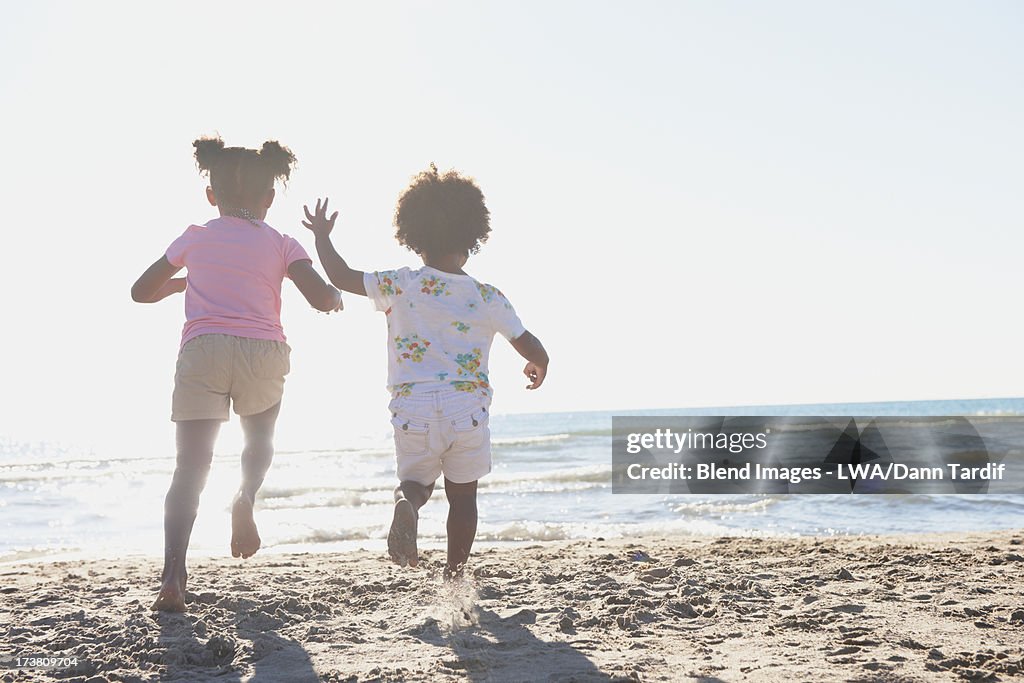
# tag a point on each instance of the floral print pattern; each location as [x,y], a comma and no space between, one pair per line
[489,292]
[469,366]
[457,312]
[411,348]
[434,286]
[469,363]
[386,283]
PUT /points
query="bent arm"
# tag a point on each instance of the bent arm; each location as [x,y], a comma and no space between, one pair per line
[318,293]
[158,282]
[343,277]
[530,348]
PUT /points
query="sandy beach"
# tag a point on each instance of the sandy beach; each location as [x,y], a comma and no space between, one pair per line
[912,608]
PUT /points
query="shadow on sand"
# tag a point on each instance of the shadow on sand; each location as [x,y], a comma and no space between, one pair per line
[496,648]
[227,657]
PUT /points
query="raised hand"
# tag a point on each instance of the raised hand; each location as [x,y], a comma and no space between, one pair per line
[318,221]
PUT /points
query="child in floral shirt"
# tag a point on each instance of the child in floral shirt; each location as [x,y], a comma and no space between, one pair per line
[441,323]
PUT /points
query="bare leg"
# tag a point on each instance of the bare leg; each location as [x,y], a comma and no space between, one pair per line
[194,440]
[462,516]
[256,458]
[410,496]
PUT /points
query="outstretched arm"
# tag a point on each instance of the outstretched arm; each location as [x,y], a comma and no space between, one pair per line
[158,282]
[337,270]
[318,293]
[530,348]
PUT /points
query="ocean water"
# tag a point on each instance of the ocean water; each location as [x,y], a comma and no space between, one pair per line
[551,480]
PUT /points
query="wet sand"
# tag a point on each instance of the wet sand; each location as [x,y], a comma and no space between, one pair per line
[912,608]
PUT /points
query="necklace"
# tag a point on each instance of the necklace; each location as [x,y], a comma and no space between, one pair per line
[242,213]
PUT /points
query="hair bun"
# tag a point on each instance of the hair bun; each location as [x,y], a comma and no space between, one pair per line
[277,158]
[208,151]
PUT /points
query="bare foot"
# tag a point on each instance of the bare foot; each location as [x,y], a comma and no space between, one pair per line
[454,575]
[171,597]
[402,537]
[245,538]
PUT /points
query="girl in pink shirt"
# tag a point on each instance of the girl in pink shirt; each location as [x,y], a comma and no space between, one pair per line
[233,349]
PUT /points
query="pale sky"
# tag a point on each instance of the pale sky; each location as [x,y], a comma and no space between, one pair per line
[693,204]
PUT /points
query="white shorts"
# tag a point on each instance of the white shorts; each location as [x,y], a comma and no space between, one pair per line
[441,432]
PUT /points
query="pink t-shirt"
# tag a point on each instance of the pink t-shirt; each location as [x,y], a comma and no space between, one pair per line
[235,270]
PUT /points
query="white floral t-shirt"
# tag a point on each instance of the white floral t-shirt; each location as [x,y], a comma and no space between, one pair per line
[440,328]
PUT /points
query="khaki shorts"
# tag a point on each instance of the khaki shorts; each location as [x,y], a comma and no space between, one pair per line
[441,432]
[217,369]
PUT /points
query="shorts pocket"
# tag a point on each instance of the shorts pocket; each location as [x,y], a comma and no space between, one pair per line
[271,361]
[471,431]
[410,436]
[194,360]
